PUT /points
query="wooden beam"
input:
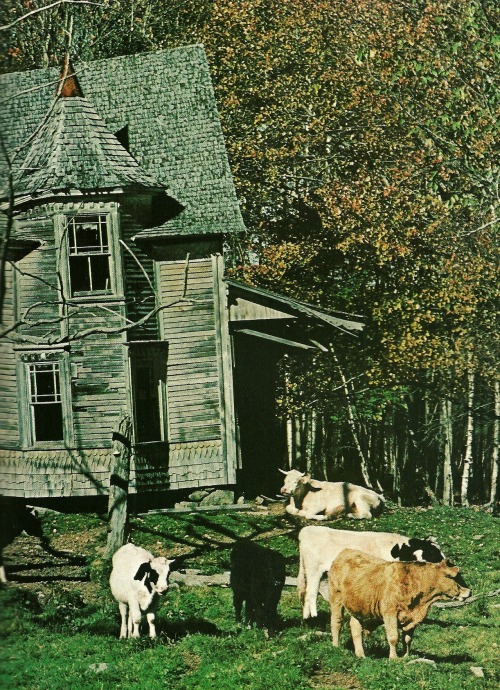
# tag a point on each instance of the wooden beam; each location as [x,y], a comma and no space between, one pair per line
[275,339]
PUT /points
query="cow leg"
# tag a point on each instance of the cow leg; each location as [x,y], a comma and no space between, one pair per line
[310,609]
[313,516]
[249,612]
[238,605]
[391,631]
[357,636]
[151,622]
[336,610]
[407,639]
[123,612]
[134,618]
[290,508]
[3,578]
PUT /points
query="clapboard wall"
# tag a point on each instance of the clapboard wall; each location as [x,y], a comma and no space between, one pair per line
[201,445]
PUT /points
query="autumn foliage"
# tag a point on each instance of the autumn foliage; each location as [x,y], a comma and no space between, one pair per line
[363,141]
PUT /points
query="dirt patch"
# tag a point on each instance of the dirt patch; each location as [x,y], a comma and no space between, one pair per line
[322,680]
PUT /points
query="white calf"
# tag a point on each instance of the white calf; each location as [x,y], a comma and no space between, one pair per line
[136,581]
[319,546]
[317,500]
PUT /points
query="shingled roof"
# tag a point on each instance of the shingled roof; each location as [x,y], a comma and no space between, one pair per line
[167,103]
[74,152]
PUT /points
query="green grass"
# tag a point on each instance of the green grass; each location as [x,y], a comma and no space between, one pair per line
[67,640]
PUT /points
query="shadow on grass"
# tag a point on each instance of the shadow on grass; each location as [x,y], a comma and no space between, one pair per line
[200,542]
[450,659]
[176,630]
[25,579]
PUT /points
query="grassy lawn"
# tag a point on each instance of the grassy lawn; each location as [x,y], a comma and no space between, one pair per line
[61,632]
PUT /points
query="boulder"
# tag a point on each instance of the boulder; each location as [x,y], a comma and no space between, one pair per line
[219,497]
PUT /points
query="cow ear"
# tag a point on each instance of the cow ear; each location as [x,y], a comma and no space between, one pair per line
[454,569]
[395,551]
[144,569]
[305,477]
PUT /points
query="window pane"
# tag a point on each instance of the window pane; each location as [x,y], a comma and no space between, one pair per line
[99,272]
[46,385]
[89,254]
[147,404]
[87,238]
[48,422]
[80,274]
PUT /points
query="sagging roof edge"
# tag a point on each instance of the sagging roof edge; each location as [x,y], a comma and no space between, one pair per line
[341,320]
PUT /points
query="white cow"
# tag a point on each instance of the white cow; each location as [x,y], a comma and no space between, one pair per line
[317,500]
[319,546]
[136,581]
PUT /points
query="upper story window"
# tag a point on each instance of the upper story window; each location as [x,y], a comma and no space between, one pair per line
[89,254]
[45,402]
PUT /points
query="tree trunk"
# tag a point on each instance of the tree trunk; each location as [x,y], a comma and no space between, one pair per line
[352,425]
[496,444]
[289,441]
[118,487]
[446,431]
[466,471]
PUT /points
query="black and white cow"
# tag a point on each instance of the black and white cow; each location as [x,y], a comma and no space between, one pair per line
[319,546]
[137,580]
[17,518]
[257,578]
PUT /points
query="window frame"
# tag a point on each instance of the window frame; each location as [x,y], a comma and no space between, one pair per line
[63,232]
[27,364]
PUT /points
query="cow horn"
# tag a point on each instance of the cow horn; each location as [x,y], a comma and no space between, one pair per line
[282,471]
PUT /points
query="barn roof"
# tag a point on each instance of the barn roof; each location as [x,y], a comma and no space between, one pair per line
[165,103]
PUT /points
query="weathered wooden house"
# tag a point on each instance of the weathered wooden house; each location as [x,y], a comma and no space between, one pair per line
[118,202]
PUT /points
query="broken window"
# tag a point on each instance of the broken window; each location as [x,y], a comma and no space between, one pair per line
[45,401]
[89,254]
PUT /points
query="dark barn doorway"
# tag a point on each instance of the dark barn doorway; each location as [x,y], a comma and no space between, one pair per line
[261,435]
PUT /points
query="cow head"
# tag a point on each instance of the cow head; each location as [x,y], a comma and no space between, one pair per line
[424,550]
[451,584]
[292,479]
[29,522]
[154,574]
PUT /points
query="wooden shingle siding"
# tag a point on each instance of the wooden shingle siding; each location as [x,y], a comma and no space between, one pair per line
[196,464]
[55,473]
[9,421]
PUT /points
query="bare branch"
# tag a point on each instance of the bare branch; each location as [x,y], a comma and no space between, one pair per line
[138,263]
[49,7]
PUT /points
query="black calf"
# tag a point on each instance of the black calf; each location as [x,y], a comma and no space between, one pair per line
[257,579]
[16,518]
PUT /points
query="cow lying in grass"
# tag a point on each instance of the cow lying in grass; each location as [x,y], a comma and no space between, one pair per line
[136,581]
[319,546]
[16,518]
[317,500]
[397,595]
[257,578]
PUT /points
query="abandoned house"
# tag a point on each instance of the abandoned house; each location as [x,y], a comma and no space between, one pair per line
[118,209]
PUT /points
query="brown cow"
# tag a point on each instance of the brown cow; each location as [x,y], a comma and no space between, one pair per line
[395,594]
